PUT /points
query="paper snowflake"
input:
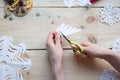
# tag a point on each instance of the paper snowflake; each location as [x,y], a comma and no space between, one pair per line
[70,3]
[110,14]
[12,60]
[110,74]
[116,45]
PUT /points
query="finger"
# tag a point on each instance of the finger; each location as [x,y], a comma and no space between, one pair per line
[85,44]
[84,56]
[50,40]
[75,47]
[51,37]
[76,56]
[57,38]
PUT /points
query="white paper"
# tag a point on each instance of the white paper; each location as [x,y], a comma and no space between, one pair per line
[109,74]
[110,14]
[84,3]
[116,45]
[67,30]
[112,74]
[14,61]
[70,3]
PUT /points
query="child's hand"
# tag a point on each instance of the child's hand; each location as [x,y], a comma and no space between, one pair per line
[55,54]
[54,48]
[93,50]
[96,51]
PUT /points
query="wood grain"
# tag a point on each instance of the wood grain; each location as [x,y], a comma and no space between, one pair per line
[73,68]
[33,31]
[59,3]
[30,29]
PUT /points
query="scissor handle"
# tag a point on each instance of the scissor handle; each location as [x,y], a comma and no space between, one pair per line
[80,48]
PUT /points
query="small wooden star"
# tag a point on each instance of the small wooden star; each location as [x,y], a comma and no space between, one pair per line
[5,16]
[58,16]
[37,14]
[49,16]
[10,18]
[52,22]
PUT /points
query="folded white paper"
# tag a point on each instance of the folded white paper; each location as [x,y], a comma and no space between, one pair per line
[67,30]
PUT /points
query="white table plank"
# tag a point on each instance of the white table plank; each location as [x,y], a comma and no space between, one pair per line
[59,3]
[30,29]
[84,69]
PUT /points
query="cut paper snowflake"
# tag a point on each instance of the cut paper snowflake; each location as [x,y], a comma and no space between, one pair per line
[70,3]
[110,74]
[110,14]
[67,30]
[116,45]
[84,3]
[13,60]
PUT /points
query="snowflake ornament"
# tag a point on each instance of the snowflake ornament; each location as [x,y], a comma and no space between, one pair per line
[116,45]
[110,74]
[84,3]
[110,14]
[70,3]
[13,61]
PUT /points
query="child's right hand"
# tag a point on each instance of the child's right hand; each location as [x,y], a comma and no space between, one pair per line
[93,50]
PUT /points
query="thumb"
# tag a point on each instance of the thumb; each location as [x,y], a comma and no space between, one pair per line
[75,47]
[83,44]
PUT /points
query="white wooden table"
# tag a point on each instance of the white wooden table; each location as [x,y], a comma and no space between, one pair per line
[33,31]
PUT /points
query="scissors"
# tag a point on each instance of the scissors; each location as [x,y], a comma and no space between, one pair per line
[71,43]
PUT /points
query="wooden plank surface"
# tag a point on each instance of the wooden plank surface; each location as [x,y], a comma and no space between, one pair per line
[33,31]
[59,3]
[74,69]
[35,27]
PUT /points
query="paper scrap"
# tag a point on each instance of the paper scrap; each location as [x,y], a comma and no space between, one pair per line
[67,30]
[70,3]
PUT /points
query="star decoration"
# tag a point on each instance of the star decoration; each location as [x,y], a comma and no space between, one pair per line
[10,18]
[5,16]
[38,14]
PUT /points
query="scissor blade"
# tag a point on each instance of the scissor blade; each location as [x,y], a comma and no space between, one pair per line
[65,37]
